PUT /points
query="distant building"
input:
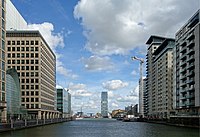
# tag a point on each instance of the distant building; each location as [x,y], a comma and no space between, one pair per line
[132,110]
[63,101]
[104,104]
[187,68]
[35,62]
[118,113]
[160,76]
[145,98]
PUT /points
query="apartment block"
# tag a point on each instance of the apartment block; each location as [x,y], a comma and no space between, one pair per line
[159,76]
[30,55]
[186,67]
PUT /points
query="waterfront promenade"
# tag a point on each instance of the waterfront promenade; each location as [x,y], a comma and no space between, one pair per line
[21,124]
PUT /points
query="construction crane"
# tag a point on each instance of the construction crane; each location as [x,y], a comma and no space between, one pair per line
[141,106]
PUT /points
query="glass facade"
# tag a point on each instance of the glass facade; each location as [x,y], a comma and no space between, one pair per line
[104,104]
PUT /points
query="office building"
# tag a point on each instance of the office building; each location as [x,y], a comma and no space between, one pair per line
[104,104]
[63,101]
[30,55]
[187,72]
[14,20]
[159,76]
[2,61]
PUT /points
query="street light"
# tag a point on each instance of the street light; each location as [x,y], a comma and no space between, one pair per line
[141,111]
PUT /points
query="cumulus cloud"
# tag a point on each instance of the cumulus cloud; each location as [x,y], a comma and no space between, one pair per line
[114,84]
[54,40]
[79,90]
[97,63]
[118,26]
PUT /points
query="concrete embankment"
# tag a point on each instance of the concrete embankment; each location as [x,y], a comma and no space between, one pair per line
[22,124]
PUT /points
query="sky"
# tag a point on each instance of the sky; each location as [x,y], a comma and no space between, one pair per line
[94,41]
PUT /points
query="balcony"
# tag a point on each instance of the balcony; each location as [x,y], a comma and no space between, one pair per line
[191,88]
[190,51]
[190,36]
[191,65]
[183,49]
[191,73]
[183,63]
[190,58]
[191,80]
[191,43]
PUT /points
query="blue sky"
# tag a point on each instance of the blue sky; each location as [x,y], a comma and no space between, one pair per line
[95,39]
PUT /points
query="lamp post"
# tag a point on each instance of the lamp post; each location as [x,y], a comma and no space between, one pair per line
[141,106]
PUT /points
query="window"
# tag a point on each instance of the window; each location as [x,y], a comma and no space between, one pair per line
[27,67]
[13,42]
[32,42]
[23,68]
[36,87]
[9,61]
[36,67]
[13,55]
[32,99]
[32,86]
[18,55]
[27,105]
[27,55]
[36,55]
[3,24]
[27,48]
[22,42]
[32,80]
[3,66]
[23,74]
[22,55]
[27,61]
[9,49]
[3,87]
[23,99]
[22,81]
[36,93]
[18,67]
[36,61]
[3,34]
[18,48]
[32,93]
[32,67]
[3,75]
[3,14]
[3,44]
[23,93]
[36,48]
[27,99]
[32,48]
[3,55]
[32,55]
[27,42]
[23,87]
[13,61]
[36,42]
[9,42]
[13,48]
[22,48]
[27,80]
[27,74]
[9,55]
[36,80]
[18,42]
[27,87]
[36,99]
[22,61]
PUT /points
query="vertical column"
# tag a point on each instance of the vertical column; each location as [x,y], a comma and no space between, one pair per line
[39,114]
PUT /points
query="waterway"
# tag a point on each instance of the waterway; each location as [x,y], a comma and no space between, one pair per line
[104,128]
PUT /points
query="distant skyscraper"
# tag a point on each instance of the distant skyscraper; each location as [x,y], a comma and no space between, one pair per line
[104,104]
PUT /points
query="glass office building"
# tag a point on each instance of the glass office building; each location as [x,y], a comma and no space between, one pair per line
[104,104]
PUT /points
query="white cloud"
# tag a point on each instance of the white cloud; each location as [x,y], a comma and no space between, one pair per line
[114,84]
[96,63]
[129,99]
[54,40]
[79,90]
[118,26]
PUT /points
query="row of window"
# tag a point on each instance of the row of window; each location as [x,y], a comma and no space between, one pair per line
[22,48]
[29,80]
[27,42]
[31,106]
[26,67]
[29,87]
[22,55]
[30,93]
[22,61]
[30,99]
